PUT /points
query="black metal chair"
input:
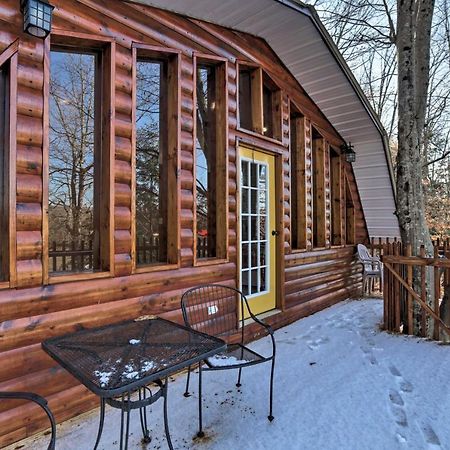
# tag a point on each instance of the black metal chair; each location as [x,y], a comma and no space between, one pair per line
[214,309]
[41,402]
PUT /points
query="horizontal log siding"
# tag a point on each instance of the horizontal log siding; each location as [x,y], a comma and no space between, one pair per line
[313,279]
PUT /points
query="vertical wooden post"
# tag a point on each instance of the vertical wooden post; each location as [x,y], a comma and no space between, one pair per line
[397,293]
[437,294]
[409,280]
[423,293]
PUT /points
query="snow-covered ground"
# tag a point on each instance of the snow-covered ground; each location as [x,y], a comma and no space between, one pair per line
[340,383]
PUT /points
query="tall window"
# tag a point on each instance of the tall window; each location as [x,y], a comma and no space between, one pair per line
[298,181]
[151,162]
[74,161]
[210,161]
[336,197]
[4,136]
[349,215]
[318,169]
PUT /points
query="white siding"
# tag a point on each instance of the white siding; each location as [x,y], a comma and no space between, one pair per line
[298,41]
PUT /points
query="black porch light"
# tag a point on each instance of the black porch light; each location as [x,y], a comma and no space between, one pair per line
[347,150]
[37,17]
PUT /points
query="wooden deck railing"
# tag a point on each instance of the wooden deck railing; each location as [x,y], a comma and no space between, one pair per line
[414,287]
[67,256]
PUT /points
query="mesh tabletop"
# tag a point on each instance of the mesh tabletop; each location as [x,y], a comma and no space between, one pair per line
[121,357]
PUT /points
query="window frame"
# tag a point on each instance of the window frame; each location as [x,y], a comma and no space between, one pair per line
[318,163]
[260,79]
[172,57]
[9,64]
[337,209]
[105,134]
[299,164]
[221,74]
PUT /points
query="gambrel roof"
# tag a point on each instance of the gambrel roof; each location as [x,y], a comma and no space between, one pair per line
[296,34]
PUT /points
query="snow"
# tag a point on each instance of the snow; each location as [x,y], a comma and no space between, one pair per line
[134,341]
[103,377]
[340,383]
[225,360]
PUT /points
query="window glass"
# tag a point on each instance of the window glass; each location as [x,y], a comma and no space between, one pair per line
[151,162]
[74,162]
[245,99]
[3,152]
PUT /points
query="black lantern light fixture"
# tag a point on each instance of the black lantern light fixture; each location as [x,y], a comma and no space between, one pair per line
[349,152]
[37,17]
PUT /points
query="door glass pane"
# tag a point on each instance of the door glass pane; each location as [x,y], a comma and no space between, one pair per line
[245,256]
[245,236]
[244,282]
[254,226]
[253,174]
[245,194]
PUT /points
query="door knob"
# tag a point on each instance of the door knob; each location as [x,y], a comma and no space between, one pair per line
[275,233]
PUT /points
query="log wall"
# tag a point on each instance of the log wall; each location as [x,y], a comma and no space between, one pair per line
[33,308]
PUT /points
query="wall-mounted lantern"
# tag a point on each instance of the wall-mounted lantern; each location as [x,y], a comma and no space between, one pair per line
[37,17]
[349,152]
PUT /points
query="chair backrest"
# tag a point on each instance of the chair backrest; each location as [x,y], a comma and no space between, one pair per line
[213,309]
[364,255]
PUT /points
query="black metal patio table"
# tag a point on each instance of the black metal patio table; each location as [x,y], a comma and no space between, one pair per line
[117,360]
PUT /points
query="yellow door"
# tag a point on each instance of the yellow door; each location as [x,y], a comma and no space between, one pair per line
[257,221]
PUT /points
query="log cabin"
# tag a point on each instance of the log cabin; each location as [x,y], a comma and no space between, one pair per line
[150,146]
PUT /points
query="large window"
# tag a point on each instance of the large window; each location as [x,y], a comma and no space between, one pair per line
[155,158]
[298,180]
[318,170]
[75,162]
[4,136]
[271,109]
[336,197]
[210,160]
[151,162]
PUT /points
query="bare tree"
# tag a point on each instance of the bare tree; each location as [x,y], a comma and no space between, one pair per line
[72,141]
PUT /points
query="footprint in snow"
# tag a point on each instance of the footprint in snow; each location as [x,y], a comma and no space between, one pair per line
[394,371]
[399,415]
[396,398]
[430,436]
[406,386]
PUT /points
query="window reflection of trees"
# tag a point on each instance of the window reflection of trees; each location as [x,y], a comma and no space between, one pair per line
[71,158]
[150,220]
[205,162]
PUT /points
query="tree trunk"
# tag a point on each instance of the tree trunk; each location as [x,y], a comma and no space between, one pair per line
[413,51]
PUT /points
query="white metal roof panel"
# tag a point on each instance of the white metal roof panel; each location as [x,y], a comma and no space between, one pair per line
[295,33]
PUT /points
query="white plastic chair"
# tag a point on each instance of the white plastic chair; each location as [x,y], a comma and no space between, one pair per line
[372,266]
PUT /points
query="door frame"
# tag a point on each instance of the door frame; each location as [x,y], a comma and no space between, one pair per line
[278,154]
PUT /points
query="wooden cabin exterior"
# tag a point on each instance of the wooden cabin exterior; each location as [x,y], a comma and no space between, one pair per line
[262,119]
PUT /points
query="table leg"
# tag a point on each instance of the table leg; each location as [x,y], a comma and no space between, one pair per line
[166,423]
[102,420]
[143,416]
[200,418]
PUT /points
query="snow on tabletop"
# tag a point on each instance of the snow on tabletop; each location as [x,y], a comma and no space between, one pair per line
[340,384]
[225,360]
[103,377]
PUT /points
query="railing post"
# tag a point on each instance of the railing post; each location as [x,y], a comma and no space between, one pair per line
[437,294]
[423,293]
[409,280]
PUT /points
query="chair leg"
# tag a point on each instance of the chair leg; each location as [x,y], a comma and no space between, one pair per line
[186,392]
[238,384]
[270,416]
[200,433]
